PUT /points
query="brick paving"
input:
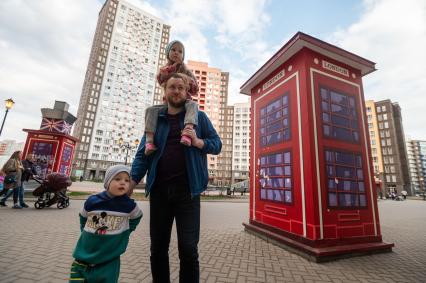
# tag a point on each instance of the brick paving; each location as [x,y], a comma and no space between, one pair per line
[36,246]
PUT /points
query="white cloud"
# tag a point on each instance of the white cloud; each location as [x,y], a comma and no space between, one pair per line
[189,19]
[44,50]
[392,33]
[236,26]
[243,31]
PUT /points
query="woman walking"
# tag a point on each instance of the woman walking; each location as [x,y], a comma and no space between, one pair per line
[12,181]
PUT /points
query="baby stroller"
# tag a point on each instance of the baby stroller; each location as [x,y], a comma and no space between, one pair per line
[52,190]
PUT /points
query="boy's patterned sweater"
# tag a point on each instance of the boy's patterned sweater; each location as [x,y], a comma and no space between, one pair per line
[106,224]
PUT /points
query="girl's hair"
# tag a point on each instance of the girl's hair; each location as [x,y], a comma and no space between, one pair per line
[182,67]
[13,162]
[15,155]
[169,48]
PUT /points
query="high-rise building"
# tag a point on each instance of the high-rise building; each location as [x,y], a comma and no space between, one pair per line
[119,85]
[241,142]
[212,98]
[416,152]
[224,159]
[388,144]
[376,150]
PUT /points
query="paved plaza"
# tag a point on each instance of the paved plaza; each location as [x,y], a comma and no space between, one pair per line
[36,246]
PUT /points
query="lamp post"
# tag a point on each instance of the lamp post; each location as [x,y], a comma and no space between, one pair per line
[9,104]
[127,146]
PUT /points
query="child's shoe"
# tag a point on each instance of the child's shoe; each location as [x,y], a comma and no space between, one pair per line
[150,148]
[186,140]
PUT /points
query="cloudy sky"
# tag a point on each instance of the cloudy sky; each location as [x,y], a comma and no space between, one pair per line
[45,45]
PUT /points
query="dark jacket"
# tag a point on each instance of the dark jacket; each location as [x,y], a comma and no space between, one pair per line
[196,159]
[29,170]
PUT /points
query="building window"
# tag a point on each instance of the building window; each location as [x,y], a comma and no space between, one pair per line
[276,178]
[275,122]
[345,179]
[339,116]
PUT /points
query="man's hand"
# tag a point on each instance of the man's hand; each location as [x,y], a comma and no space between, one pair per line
[132,186]
[196,142]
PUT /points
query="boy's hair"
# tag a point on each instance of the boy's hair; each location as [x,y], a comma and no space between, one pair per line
[183,77]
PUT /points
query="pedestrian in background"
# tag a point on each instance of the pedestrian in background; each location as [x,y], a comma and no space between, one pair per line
[13,170]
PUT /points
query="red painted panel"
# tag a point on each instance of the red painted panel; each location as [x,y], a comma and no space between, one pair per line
[270,209]
[350,231]
[330,232]
[277,222]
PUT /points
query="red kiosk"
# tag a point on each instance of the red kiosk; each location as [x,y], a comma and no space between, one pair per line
[312,185]
[52,145]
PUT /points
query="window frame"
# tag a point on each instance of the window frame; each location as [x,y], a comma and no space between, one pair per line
[353,118]
[283,176]
[264,127]
[356,179]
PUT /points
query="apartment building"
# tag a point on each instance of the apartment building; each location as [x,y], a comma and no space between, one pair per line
[127,50]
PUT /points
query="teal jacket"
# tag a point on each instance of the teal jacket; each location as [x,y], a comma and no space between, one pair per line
[196,159]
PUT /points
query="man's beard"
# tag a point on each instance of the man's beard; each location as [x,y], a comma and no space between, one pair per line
[176,104]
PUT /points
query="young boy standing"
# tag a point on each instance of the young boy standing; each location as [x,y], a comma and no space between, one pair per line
[106,222]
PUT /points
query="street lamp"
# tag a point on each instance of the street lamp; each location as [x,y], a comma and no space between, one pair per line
[9,104]
[127,146]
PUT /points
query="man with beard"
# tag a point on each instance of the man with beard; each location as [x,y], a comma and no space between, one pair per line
[176,176]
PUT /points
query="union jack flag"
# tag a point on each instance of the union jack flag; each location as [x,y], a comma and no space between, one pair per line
[54,125]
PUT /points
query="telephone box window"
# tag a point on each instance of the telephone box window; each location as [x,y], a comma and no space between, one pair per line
[274,121]
[339,116]
[276,180]
[345,179]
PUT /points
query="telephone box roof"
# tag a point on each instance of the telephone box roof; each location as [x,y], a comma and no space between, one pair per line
[296,43]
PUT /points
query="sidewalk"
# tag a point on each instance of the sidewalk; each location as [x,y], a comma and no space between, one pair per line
[36,246]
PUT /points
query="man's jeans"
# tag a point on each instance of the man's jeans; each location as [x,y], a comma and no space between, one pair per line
[166,204]
[17,193]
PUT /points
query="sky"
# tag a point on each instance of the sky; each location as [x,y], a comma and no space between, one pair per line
[45,46]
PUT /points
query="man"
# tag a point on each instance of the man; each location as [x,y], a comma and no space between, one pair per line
[176,177]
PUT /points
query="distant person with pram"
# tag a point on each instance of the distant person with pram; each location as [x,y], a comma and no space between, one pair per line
[106,222]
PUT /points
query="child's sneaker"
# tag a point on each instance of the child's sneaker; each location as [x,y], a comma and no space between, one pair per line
[186,140]
[150,148]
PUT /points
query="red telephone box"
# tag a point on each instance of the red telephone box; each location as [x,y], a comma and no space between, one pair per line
[52,145]
[312,185]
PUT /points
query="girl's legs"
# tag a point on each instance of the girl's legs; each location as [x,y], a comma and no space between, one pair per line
[149,145]
[7,193]
[191,120]
[15,197]
[151,116]
[21,196]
